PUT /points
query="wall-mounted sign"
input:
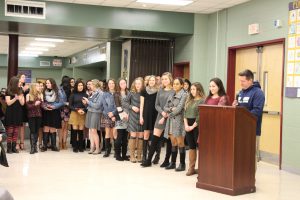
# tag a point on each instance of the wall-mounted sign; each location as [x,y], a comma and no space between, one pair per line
[253,29]
[57,62]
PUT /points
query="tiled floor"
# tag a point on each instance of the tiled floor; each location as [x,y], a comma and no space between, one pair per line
[66,175]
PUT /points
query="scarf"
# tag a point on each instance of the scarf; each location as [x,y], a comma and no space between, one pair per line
[50,96]
[151,90]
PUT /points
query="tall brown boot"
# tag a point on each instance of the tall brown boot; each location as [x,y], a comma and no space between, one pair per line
[140,149]
[132,145]
[192,157]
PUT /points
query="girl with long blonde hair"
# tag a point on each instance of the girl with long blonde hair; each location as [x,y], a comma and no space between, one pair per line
[34,100]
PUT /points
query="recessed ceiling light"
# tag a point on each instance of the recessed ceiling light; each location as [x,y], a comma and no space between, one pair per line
[49,40]
[40,44]
[167,2]
[32,52]
[36,49]
[28,55]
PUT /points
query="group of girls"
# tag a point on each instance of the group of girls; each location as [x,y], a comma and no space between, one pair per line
[140,118]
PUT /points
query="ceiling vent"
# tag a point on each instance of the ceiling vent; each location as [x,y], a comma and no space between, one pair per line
[28,9]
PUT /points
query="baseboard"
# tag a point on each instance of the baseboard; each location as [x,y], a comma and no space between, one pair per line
[290,169]
[269,157]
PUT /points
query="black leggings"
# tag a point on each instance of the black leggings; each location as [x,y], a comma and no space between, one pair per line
[34,125]
[192,136]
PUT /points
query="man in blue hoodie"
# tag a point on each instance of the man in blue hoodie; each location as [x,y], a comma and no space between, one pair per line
[251,97]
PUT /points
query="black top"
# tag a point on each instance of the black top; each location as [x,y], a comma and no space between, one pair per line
[75,101]
[149,112]
[14,113]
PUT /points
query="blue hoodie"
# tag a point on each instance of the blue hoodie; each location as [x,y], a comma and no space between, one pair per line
[253,99]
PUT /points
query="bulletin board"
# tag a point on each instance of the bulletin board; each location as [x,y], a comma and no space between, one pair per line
[293,54]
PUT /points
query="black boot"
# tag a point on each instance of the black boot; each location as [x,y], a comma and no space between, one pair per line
[53,142]
[103,139]
[75,142]
[31,144]
[172,165]
[145,150]
[45,141]
[124,145]
[181,166]
[152,149]
[88,144]
[80,141]
[117,145]
[9,148]
[14,150]
[35,140]
[168,154]
[158,150]
[107,147]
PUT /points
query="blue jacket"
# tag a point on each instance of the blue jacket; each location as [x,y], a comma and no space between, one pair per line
[253,99]
[108,103]
[95,102]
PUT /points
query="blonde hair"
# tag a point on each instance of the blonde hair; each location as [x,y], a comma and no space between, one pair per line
[98,84]
[133,88]
[155,85]
[33,93]
[170,77]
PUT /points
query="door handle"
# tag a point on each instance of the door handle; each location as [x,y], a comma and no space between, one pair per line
[271,112]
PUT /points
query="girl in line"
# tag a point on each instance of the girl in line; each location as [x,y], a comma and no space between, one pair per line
[34,102]
[160,123]
[78,113]
[53,101]
[134,127]
[175,126]
[92,121]
[14,113]
[191,123]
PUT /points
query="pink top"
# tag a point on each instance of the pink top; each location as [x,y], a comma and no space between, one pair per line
[220,101]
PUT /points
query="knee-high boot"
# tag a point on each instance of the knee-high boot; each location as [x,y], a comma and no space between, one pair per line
[145,150]
[53,141]
[181,166]
[107,147]
[172,165]
[168,154]
[45,141]
[153,147]
[139,149]
[192,162]
[132,145]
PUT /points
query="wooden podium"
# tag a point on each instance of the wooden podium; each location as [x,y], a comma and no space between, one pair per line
[227,137]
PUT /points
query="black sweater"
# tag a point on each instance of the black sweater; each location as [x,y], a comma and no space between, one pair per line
[75,101]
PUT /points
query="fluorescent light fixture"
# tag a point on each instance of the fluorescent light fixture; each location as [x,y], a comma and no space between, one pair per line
[167,2]
[32,52]
[41,44]
[36,49]
[49,40]
[28,55]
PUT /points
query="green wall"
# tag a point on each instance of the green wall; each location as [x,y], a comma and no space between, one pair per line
[216,32]
[115,60]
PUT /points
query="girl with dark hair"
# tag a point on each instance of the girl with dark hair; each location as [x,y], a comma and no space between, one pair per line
[33,102]
[187,85]
[72,84]
[54,99]
[122,121]
[25,90]
[217,94]
[191,121]
[134,126]
[77,117]
[175,126]
[14,113]
[109,115]
[65,87]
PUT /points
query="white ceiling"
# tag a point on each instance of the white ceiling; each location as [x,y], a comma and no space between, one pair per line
[64,49]
[198,6]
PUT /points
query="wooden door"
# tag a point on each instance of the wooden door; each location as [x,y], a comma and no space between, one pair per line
[267,67]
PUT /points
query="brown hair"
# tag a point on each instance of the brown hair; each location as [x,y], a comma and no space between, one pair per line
[13,86]
[169,75]
[132,88]
[200,92]
[248,74]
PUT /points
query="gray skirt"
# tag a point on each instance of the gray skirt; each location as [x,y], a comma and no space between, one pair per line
[93,120]
[157,125]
